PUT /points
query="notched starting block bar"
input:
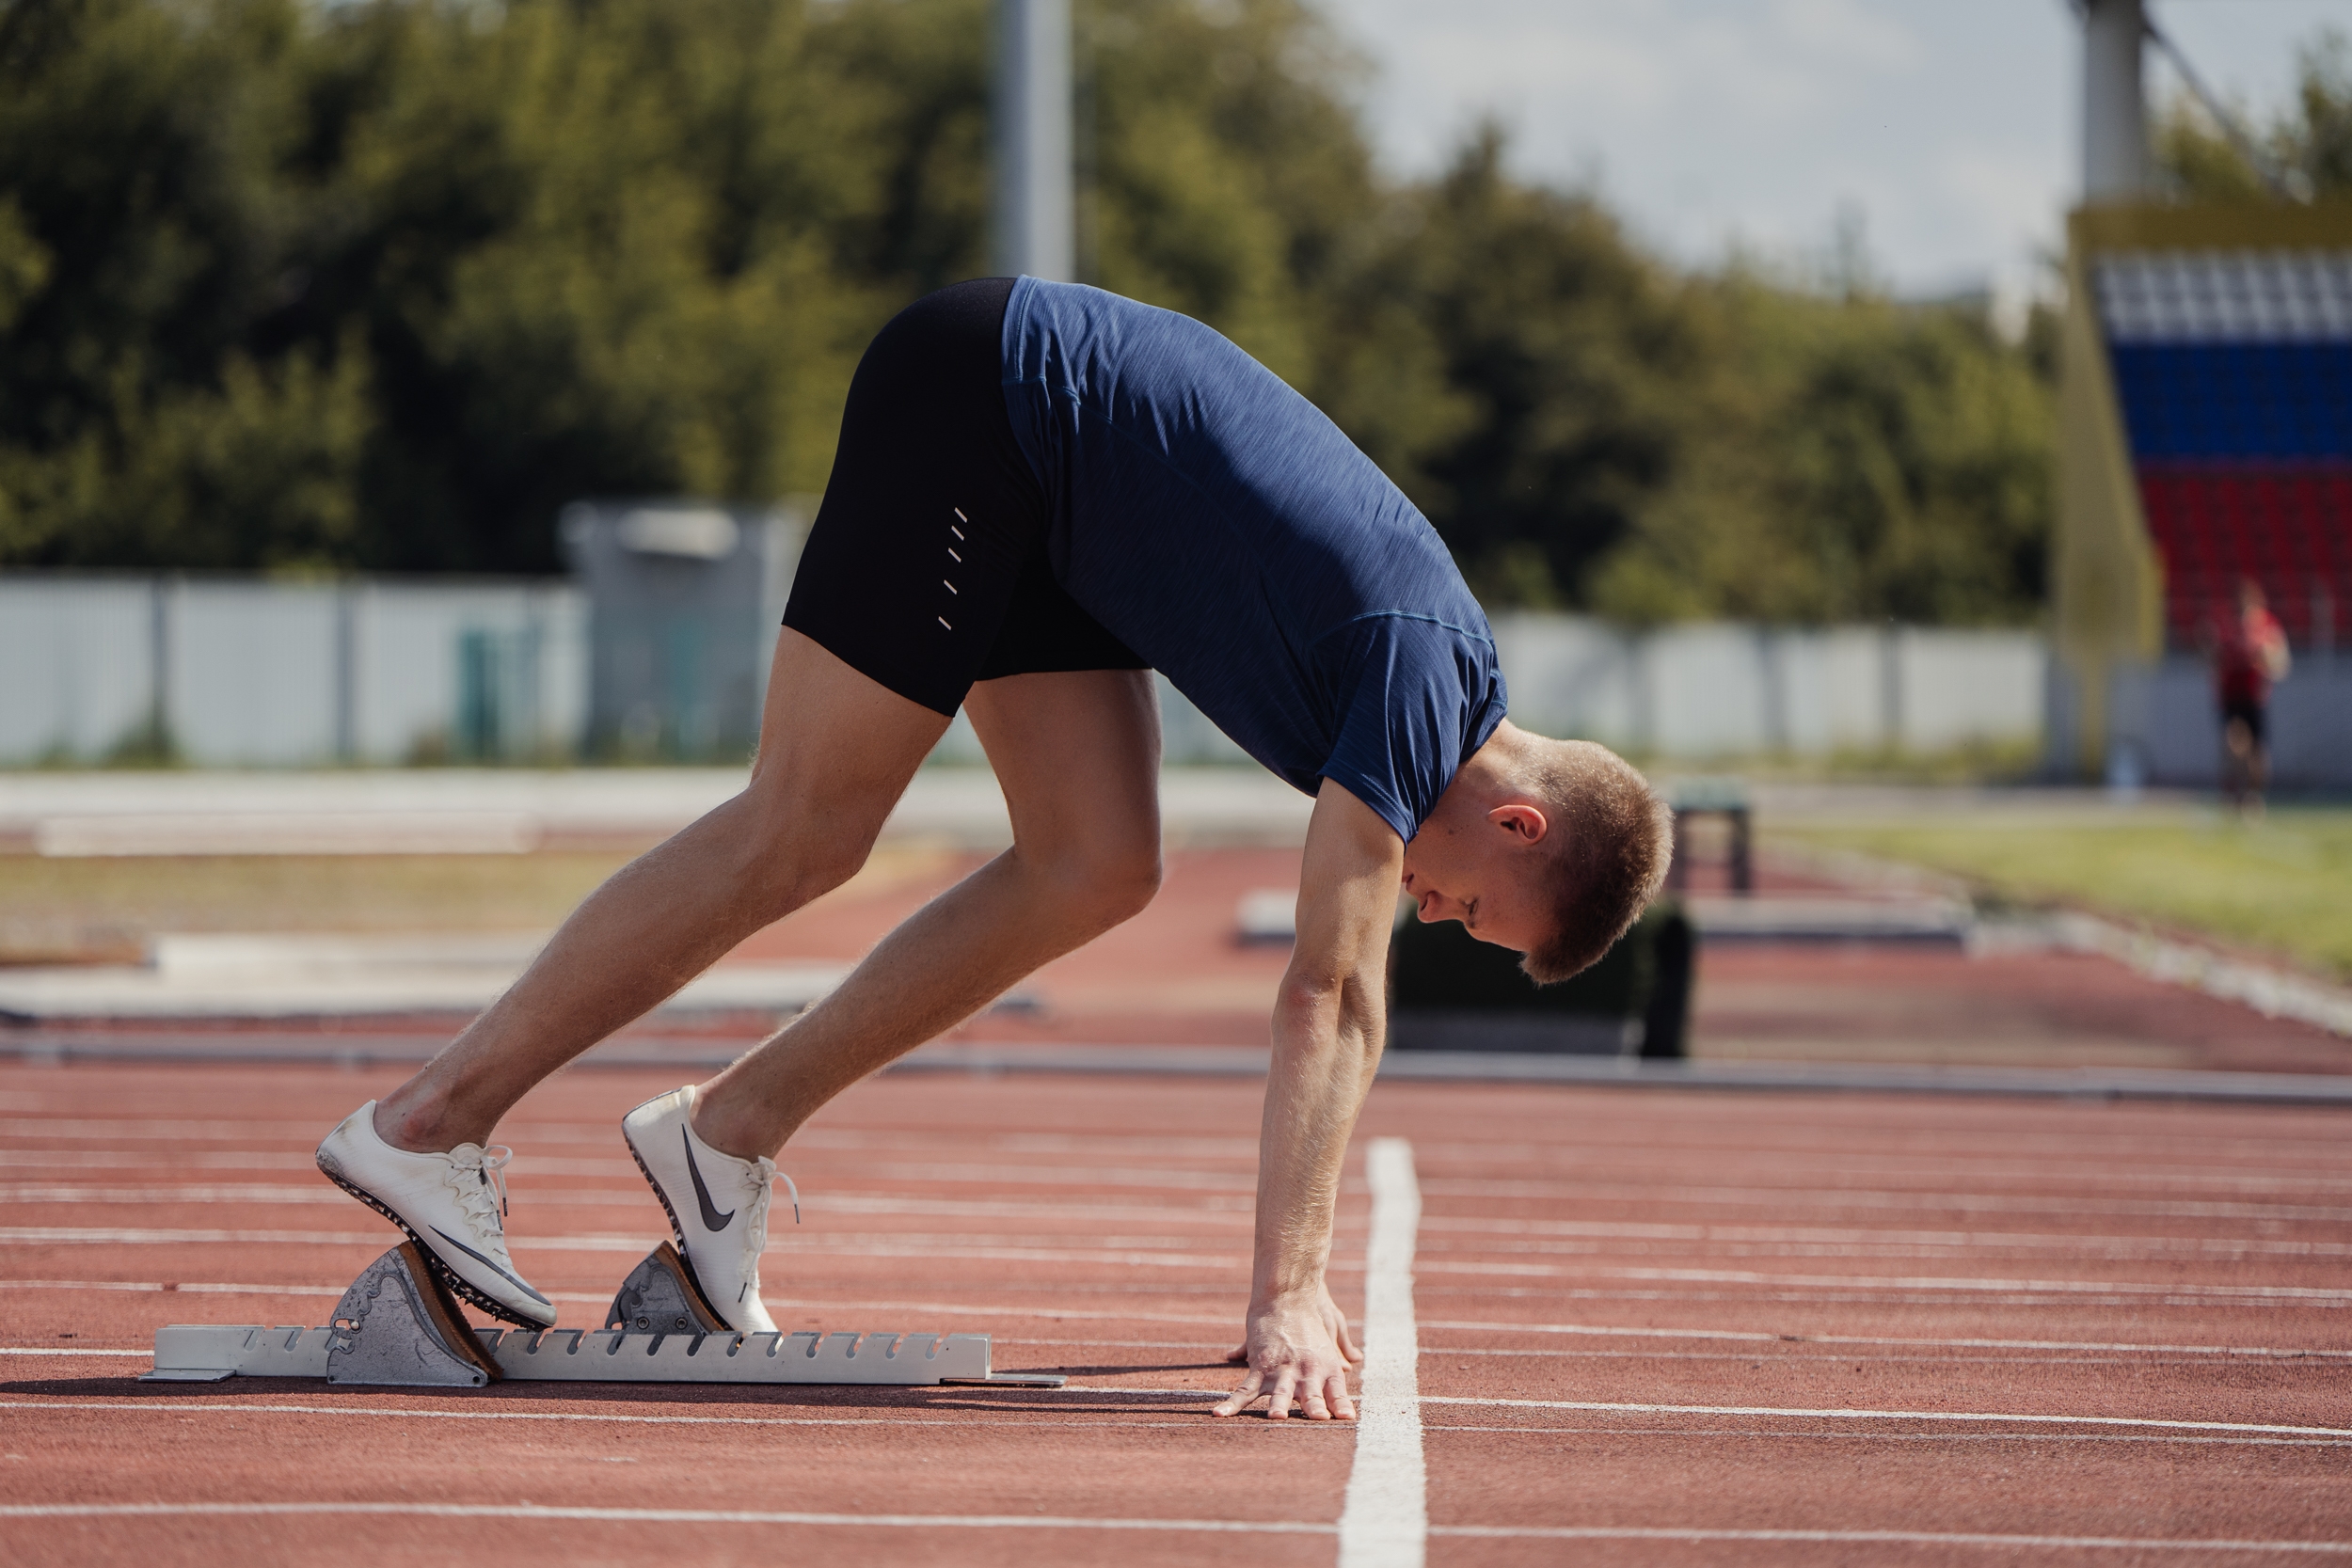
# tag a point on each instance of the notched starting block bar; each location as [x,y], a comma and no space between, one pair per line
[398,1327]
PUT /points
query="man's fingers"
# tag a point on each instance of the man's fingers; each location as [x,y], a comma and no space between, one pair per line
[1310,1401]
[1278,1402]
[1239,1398]
[1343,1407]
[1347,1344]
[1238,1356]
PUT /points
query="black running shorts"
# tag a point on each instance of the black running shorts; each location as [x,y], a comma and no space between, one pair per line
[926,569]
[2250,711]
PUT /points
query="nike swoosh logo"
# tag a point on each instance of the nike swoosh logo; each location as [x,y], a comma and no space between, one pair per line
[492,1263]
[712,1219]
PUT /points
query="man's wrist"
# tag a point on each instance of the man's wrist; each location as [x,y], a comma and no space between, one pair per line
[1273,1295]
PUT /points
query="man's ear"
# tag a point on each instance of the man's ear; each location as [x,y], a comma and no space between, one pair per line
[1521,821]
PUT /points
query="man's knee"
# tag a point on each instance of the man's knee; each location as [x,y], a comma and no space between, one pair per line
[790,857]
[1104,881]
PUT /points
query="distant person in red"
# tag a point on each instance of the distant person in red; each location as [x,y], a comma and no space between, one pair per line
[2250,653]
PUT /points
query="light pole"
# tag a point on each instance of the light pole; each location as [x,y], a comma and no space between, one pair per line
[2114,111]
[1033,196]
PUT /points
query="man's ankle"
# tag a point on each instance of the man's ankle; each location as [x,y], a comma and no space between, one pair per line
[744,1138]
[417,1127]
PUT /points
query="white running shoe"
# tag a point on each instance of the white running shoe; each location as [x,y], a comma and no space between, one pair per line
[717,1203]
[450,1205]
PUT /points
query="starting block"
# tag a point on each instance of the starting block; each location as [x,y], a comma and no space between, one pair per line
[398,1326]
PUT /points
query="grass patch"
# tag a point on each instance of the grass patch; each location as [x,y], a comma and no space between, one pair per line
[2283,884]
[101,908]
[61,907]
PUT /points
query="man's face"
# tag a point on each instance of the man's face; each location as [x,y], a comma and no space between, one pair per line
[1481,872]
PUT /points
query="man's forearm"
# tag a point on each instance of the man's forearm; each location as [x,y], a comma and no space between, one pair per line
[1326,1044]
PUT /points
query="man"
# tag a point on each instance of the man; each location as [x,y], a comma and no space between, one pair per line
[2250,655]
[1043,492]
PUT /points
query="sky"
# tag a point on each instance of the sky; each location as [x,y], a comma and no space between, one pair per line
[1950,127]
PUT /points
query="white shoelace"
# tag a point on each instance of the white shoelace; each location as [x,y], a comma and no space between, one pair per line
[482,1199]
[760,1178]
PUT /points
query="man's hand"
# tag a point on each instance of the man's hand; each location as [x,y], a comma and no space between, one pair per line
[1333,1319]
[1298,1348]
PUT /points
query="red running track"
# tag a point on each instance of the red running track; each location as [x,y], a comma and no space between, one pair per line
[1653,1328]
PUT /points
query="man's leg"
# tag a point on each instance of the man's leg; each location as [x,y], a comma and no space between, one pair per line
[835,752]
[1077,755]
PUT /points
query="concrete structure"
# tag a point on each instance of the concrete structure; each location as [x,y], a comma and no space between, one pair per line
[685,600]
[2205,425]
[2205,437]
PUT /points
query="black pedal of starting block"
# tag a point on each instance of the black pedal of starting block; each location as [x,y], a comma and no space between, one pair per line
[398,1326]
[662,1296]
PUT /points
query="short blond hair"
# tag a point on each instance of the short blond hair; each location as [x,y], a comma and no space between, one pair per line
[1612,838]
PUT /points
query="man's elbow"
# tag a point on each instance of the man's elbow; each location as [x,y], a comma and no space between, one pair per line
[1339,1006]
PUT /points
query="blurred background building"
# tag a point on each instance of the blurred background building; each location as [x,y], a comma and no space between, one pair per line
[2206,442]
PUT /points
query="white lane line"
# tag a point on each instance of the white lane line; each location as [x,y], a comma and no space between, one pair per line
[600,1298]
[1386,1521]
[1555,1238]
[1839,1414]
[64,1350]
[78,1236]
[1751,1336]
[651,1516]
[1777,1434]
[1536,1233]
[1894,1538]
[954,1419]
[839,1246]
[1033,1416]
[1900,1282]
[1235,1214]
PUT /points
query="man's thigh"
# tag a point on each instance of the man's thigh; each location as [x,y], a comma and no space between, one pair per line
[836,748]
[1077,754]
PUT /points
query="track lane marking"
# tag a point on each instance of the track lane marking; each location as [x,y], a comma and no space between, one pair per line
[601,1298]
[1886,1537]
[1029,1415]
[1893,1240]
[1384,1523]
[655,1517]
[1751,1336]
[1218,1527]
[950,1419]
[76,1236]
[1849,1414]
[1774,1436]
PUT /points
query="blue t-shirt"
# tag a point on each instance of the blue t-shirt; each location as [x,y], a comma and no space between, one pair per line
[1219,525]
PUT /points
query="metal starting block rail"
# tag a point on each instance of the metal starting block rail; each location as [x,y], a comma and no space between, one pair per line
[398,1326]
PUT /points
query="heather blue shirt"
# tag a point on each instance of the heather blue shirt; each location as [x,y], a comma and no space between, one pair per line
[1217,523]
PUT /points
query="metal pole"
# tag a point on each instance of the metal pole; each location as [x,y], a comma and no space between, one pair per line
[2115,114]
[1033,218]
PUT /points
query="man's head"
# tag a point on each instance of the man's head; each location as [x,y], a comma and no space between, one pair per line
[1551,846]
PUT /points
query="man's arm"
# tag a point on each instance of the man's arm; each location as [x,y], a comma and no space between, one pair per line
[1328,1025]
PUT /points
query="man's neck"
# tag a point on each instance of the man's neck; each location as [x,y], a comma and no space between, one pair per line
[1494,770]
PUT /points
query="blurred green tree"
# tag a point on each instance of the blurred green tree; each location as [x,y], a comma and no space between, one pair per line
[2307,147]
[383,284]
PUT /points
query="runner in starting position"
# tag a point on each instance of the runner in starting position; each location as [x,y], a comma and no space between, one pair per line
[1042,492]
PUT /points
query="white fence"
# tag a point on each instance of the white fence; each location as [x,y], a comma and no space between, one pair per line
[1713,691]
[247,672]
[253,672]
[2164,729]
